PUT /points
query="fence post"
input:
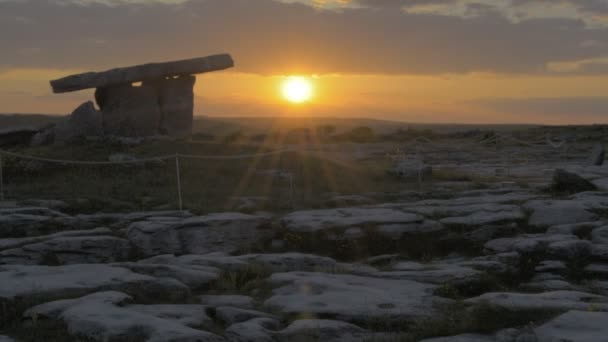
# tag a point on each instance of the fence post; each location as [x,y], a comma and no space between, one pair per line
[179,182]
[291,196]
[1,180]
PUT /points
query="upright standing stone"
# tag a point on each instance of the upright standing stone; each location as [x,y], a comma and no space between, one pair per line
[129,111]
[597,155]
[176,101]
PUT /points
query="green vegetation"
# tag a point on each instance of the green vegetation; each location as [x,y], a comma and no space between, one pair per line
[207,185]
[455,319]
[248,281]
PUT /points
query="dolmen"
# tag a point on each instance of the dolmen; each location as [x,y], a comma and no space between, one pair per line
[139,101]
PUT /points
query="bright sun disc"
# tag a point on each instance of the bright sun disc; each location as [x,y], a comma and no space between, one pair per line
[297,89]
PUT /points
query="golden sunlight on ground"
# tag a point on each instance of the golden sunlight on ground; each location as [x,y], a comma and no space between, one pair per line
[297,89]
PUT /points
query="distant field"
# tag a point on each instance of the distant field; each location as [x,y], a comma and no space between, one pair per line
[259,125]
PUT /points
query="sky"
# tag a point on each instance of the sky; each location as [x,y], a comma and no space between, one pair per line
[456,61]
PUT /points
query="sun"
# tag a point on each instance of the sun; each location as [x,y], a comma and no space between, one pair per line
[297,89]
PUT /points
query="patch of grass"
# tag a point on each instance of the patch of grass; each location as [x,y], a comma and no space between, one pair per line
[416,246]
[486,282]
[49,258]
[248,281]
[451,176]
[456,318]
[45,330]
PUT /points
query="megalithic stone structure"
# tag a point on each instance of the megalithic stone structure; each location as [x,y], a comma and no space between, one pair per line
[139,73]
[146,100]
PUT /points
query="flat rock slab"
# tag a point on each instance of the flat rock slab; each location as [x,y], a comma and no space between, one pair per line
[282,262]
[194,276]
[55,282]
[237,301]
[398,230]
[323,330]
[485,217]
[11,243]
[434,273]
[555,300]
[349,297]
[267,330]
[555,212]
[311,221]
[230,315]
[475,197]
[533,243]
[143,72]
[225,232]
[463,338]
[579,326]
[69,250]
[253,330]
[103,317]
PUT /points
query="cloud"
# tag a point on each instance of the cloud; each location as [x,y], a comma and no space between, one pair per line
[278,37]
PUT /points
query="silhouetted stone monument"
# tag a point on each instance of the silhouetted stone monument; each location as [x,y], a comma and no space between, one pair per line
[144,100]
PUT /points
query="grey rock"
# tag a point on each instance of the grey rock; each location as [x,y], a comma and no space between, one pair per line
[129,111]
[579,326]
[62,281]
[284,262]
[322,330]
[69,250]
[600,251]
[434,273]
[568,182]
[554,300]
[569,249]
[463,338]
[412,170]
[254,330]
[582,228]
[176,100]
[350,297]
[315,220]
[17,136]
[600,235]
[193,276]
[597,155]
[11,243]
[532,243]
[397,231]
[555,212]
[104,317]
[597,270]
[238,301]
[231,315]
[145,72]
[485,217]
[225,232]
[84,121]
[191,315]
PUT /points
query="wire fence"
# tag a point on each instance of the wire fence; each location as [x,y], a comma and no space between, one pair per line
[158,162]
[169,171]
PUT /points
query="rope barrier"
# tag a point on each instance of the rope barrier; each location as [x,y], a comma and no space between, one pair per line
[416,143]
[143,160]
[175,156]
